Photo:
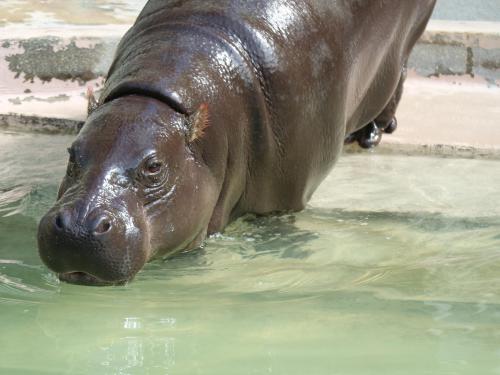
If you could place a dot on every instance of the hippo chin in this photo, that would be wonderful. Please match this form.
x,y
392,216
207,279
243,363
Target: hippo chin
x,y
216,109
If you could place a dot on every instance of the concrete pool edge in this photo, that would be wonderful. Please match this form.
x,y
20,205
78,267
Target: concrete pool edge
x,y
390,145
434,150
39,124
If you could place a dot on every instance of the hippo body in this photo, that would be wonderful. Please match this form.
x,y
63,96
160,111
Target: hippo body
x,y
214,109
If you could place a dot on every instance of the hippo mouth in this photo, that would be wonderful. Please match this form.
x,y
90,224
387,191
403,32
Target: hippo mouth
x,y
84,278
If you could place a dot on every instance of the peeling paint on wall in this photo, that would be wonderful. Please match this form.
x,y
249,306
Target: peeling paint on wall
x,y
51,58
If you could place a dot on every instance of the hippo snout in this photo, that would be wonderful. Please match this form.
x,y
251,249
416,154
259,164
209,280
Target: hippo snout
x,y
98,248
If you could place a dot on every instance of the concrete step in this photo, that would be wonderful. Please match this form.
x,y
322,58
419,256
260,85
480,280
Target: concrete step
x,y
450,48
451,104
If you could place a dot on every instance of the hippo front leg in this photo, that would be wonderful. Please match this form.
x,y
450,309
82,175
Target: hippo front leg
x,y
387,121
367,137
370,135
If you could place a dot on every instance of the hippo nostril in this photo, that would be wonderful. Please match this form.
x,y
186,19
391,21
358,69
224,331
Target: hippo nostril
x,y
62,220
58,222
103,225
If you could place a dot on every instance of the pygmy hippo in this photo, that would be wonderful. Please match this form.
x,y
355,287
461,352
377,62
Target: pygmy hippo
x,y
214,109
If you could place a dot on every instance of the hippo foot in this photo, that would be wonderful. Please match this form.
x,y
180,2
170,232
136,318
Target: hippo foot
x,y
351,138
367,137
370,136
391,126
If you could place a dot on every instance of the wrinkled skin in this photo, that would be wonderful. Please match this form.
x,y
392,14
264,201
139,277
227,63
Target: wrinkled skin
x,y
283,83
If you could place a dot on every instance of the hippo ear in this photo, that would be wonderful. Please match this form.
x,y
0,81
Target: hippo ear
x,y
197,123
92,101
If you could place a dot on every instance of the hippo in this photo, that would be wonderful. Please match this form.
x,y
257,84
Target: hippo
x,y
216,109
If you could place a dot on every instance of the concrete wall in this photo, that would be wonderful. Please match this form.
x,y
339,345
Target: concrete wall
x,y
468,10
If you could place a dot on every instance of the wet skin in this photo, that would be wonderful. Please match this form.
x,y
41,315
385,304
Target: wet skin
x,y
216,109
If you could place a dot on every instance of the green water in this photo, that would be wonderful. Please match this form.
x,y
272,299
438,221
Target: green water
x,y
393,269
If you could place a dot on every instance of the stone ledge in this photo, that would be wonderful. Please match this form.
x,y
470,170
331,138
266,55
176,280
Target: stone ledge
x,y
40,124
84,53
459,48
439,150
455,115
464,33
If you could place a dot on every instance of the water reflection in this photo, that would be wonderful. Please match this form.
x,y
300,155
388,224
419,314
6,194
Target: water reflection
x,y
132,323
131,354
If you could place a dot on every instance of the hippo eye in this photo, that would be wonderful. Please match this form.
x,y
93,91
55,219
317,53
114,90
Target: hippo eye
x,y
154,167
153,172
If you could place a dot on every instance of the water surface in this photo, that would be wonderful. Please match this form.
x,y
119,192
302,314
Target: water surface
x,y
394,268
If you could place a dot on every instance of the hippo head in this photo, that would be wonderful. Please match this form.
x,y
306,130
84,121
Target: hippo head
x,y
135,187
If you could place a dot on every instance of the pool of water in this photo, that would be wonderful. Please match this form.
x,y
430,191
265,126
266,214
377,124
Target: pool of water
x,y
394,268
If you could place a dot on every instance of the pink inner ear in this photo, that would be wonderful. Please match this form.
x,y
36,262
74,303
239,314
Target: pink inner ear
x,y
200,122
92,102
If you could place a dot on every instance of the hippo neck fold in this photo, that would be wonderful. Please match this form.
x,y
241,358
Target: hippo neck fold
x,y
138,88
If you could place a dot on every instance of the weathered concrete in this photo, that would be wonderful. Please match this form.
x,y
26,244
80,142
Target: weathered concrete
x,y
69,12
468,10
44,74
105,12
40,124
447,117
459,48
30,56
47,103
53,58
436,116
